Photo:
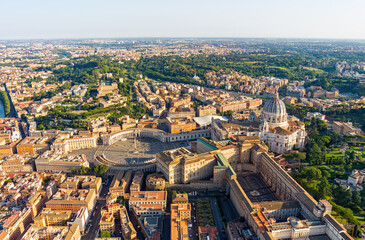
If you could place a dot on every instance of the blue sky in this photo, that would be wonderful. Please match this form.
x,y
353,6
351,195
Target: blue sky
x,y
34,19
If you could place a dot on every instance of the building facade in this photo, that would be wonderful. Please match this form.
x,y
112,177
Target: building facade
x,y
273,127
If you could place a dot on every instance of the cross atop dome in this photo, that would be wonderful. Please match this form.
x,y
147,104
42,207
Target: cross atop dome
x,y
276,94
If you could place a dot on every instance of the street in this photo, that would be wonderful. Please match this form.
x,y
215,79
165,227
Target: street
x,y
218,218
194,222
92,228
230,211
166,228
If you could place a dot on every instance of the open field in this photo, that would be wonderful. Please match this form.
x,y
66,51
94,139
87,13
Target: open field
x,y
319,71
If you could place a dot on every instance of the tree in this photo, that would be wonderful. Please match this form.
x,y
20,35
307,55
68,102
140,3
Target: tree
x,y
326,174
349,167
105,234
23,117
100,170
228,114
314,154
323,188
356,198
352,156
83,170
299,156
326,140
311,173
6,102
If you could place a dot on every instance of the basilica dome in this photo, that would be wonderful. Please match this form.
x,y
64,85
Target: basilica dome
x,y
275,106
274,113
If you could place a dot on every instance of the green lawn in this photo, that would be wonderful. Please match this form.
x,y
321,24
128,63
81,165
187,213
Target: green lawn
x,y
333,174
360,219
319,71
335,153
281,68
344,221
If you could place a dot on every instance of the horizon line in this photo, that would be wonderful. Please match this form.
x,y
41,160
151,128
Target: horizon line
x,y
187,38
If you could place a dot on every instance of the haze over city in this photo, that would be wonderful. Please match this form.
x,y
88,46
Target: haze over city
x,y
42,19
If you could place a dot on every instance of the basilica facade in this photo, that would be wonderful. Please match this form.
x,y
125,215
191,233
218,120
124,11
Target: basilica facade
x,y
275,129
273,126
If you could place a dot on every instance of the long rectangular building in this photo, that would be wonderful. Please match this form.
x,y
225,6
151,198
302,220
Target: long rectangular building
x,y
55,161
80,142
181,166
180,219
270,200
72,200
148,203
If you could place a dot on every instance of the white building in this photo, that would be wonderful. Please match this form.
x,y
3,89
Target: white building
x,y
275,129
356,178
81,218
316,115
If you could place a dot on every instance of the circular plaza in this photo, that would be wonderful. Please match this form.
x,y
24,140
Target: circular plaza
x,y
138,150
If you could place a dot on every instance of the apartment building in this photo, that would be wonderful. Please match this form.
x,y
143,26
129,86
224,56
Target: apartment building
x,y
180,198
180,124
72,200
148,203
36,202
186,99
128,230
9,129
120,183
136,182
16,164
16,224
206,110
237,106
155,182
107,222
180,219
118,211
81,218
71,232
7,148
33,145
49,217
83,182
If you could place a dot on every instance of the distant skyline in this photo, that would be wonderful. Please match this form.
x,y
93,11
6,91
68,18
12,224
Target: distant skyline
x,y
66,19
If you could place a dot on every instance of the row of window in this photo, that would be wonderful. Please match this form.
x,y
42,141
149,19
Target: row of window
x,y
190,136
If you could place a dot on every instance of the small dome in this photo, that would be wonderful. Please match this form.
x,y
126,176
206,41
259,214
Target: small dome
x,y
295,222
275,105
